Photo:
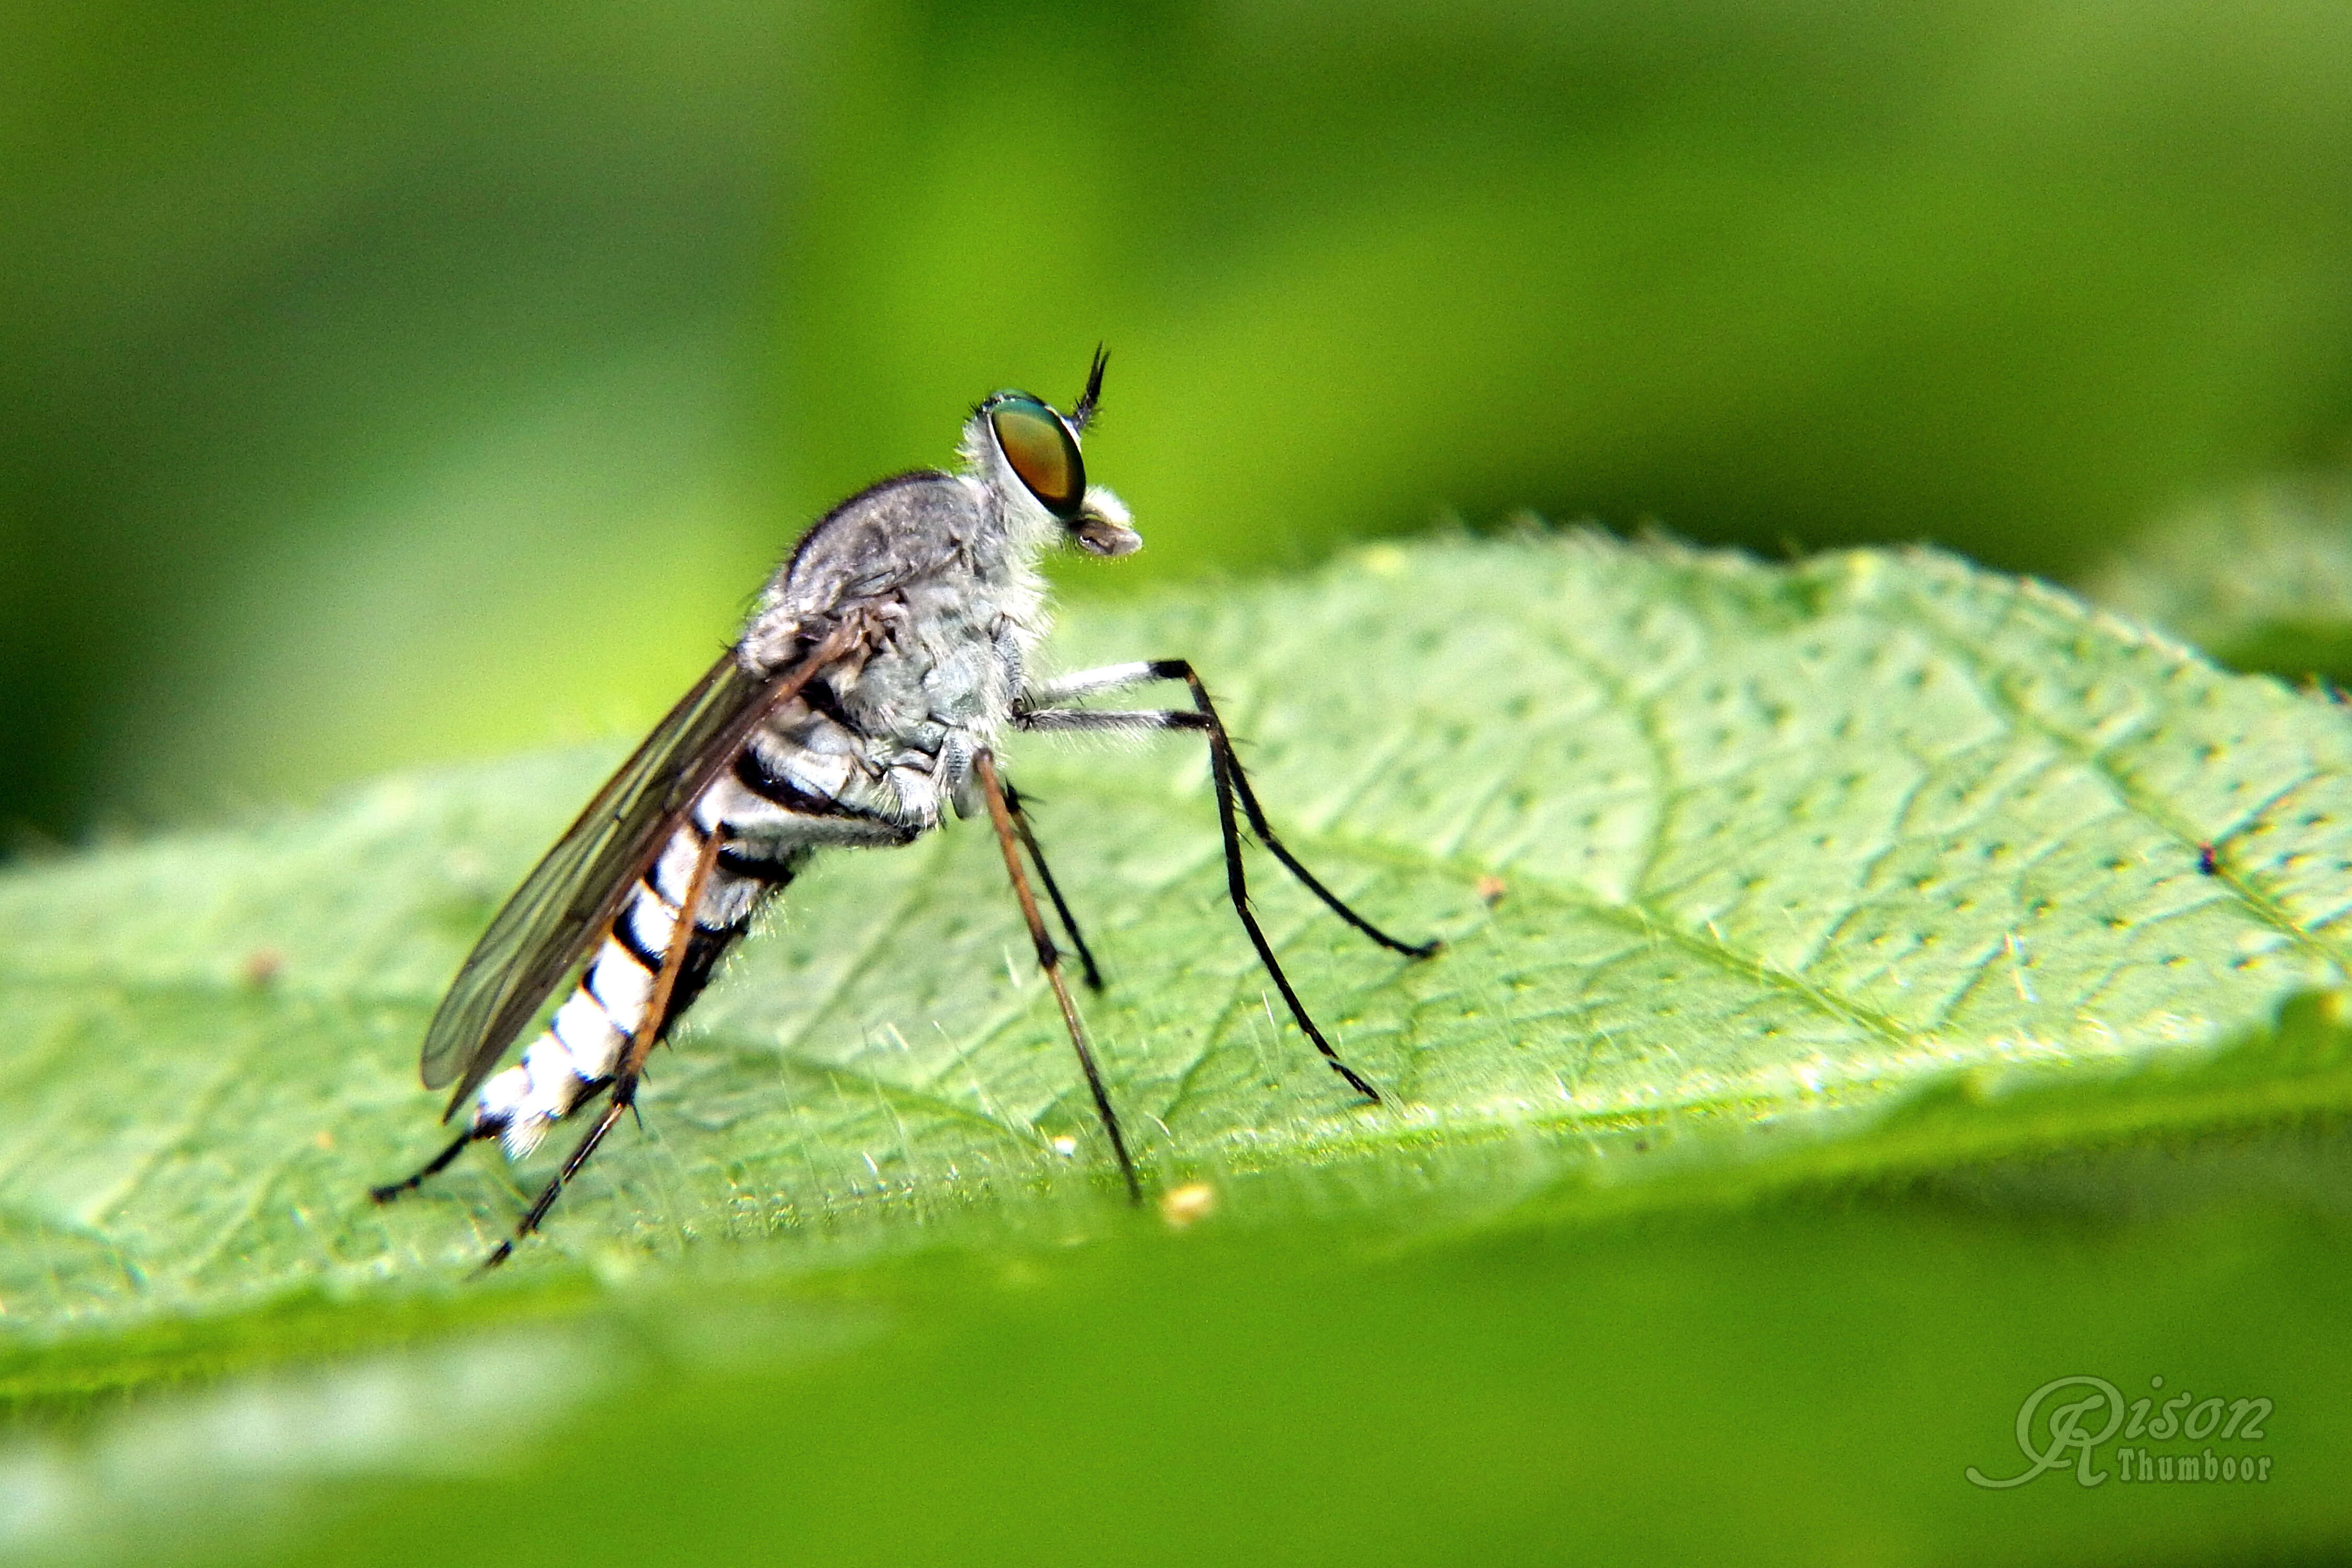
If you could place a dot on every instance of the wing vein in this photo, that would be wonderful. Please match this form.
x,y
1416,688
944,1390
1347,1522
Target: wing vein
x,y
564,906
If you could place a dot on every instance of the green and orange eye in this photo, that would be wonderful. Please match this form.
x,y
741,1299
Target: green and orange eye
x,y
1043,452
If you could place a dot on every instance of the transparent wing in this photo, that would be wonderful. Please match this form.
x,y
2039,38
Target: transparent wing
x,y
564,906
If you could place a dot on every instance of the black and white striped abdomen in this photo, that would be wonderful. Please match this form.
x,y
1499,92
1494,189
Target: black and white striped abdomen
x,y
770,813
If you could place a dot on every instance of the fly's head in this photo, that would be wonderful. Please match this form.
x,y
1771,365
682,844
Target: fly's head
x,y
1028,453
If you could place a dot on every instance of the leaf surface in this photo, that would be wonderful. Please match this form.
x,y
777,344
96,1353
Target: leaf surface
x,y
1770,840
2262,579
1869,875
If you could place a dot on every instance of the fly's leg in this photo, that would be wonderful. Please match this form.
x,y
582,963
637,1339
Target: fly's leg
x,y
1053,889
1049,957
631,1066
433,1167
1232,786
1221,744
624,1094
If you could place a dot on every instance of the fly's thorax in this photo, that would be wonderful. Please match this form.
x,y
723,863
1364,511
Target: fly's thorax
x,y
951,665
891,731
858,559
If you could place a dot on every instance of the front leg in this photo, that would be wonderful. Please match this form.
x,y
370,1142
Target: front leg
x,y
1041,710
1063,689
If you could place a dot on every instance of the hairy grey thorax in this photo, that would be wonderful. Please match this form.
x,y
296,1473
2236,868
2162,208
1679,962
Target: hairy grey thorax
x,y
947,566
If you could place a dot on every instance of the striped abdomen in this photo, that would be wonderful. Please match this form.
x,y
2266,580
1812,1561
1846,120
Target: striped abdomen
x,y
770,813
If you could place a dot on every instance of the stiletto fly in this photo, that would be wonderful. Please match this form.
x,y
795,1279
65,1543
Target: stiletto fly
x,y
879,671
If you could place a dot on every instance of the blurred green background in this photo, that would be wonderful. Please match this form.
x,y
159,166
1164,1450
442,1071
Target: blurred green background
x,y
399,382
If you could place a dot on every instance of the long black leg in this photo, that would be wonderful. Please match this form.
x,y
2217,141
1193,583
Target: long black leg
x,y
441,1161
1231,785
624,1095
433,1167
1053,889
1221,744
1049,959
1238,887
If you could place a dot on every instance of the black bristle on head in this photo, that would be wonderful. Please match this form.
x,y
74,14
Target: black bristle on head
x,y
1083,415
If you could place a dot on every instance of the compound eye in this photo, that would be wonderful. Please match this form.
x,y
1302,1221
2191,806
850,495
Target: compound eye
x,y
1038,445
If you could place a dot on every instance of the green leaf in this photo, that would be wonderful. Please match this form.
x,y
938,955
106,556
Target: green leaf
x,y
1755,880
2262,579
1771,840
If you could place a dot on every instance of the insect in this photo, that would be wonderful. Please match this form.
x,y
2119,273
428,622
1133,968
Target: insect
x,y
865,700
